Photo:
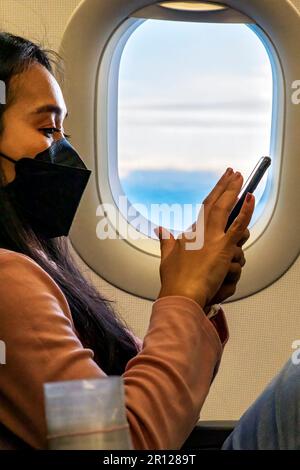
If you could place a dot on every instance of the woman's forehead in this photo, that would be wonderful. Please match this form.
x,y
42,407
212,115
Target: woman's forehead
x,y
35,87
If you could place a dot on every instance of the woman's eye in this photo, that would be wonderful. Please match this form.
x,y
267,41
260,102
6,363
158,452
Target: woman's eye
x,y
49,131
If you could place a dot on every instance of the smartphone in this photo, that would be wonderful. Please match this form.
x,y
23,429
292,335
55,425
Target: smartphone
x,y
249,187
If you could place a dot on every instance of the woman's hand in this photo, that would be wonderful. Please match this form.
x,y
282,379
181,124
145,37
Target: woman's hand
x,y
232,278
200,273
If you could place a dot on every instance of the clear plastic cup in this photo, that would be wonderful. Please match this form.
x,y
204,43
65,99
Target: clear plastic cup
x,y
87,414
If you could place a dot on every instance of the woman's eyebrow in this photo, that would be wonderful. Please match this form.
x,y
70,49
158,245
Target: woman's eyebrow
x,y
49,108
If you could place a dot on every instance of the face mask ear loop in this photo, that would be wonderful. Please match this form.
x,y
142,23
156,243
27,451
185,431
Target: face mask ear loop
x,y
7,158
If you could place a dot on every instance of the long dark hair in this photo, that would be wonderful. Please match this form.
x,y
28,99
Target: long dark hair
x,y
96,323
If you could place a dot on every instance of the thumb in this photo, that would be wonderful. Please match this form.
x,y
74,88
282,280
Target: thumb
x,y
167,241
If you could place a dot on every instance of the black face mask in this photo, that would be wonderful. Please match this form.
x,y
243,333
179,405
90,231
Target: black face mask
x,y
47,189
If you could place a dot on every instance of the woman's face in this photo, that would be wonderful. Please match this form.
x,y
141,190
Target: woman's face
x,y
35,118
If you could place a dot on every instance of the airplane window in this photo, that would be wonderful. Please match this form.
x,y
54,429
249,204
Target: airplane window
x,y
193,99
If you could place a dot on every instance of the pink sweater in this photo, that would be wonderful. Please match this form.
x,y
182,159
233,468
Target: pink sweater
x,y
165,384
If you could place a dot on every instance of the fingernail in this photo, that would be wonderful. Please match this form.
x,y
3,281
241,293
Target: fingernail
x,y
157,231
248,197
229,171
237,175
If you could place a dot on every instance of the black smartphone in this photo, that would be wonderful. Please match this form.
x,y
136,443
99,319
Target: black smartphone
x,y
249,187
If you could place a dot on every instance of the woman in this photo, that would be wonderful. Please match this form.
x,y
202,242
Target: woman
x,y
55,325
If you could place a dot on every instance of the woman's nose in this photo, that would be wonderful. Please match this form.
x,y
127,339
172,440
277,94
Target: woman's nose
x,y
59,135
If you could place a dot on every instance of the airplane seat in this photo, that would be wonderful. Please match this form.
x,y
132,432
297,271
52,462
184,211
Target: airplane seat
x,y
209,435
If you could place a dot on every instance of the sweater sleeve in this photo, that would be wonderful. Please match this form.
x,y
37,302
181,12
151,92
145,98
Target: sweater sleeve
x,y
165,384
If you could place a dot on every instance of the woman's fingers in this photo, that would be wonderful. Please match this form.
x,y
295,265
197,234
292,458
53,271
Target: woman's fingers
x,y
239,226
228,290
244,238
167,241
215,194
220,211
239,256
219,188
233,274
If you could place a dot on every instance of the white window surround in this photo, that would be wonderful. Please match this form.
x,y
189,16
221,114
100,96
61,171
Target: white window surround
x,y
133,265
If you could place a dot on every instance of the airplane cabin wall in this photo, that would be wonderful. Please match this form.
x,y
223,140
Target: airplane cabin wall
x,y
262,327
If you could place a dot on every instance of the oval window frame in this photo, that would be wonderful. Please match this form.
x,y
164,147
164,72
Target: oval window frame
x,y
134,267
